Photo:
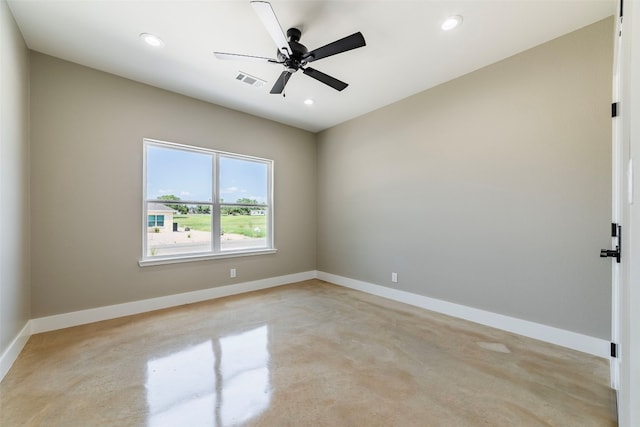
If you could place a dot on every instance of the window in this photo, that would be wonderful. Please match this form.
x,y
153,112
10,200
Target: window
x,y
201,204
155,220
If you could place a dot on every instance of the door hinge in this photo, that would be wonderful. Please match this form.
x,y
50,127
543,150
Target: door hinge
x,y
614,349
616,231
614,109
621,8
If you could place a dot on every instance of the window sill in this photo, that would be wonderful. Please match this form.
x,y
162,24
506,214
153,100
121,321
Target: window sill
x,y
175,260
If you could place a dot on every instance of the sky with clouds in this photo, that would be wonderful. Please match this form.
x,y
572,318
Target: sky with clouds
x,y
188,175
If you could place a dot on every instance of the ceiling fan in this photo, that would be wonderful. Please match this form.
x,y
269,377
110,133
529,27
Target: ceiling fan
x,y
292,54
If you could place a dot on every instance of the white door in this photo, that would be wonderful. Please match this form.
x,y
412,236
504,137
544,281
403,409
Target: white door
x,y
618,188
626,302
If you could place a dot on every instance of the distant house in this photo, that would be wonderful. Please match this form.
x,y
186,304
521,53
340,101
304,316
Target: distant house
x,y
258,213
159,216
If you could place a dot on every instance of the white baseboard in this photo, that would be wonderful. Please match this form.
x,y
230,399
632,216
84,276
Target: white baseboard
x,y
584,343
11,353
573,340
66,320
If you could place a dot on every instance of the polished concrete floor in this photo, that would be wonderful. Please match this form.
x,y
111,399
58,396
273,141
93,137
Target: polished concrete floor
x,y
307,354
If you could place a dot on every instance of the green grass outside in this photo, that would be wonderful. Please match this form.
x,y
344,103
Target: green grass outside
x,y
239,224
200,222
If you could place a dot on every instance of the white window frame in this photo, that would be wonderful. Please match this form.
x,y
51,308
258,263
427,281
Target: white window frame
x,y
215,203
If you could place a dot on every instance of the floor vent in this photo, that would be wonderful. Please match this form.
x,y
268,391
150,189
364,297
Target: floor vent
x,y
249,79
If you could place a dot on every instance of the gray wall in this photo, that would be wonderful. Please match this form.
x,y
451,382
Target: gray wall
x,y
492,190
86,187
14,180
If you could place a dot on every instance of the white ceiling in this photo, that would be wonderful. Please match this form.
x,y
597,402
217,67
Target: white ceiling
x,y
406,50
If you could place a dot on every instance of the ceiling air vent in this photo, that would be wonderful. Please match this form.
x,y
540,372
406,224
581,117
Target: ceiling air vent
x,y
250,80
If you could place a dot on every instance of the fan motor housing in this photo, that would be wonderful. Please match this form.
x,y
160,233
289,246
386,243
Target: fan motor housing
x,y
298,50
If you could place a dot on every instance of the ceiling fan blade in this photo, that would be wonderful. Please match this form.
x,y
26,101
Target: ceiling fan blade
x,y
325,78
270,21
235,56
353,41
281,82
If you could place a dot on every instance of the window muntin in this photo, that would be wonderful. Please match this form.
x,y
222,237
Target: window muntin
x,y
205,203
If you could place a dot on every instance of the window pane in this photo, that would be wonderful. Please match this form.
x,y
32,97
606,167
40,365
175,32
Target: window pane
x,y
179,229
243,181
185,175
151,220
243,230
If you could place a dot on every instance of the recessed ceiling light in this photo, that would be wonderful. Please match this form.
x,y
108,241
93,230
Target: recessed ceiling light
x,y
152,40
451,22
309,101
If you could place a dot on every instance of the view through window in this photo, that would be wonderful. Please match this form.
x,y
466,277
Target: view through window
x,y
201,202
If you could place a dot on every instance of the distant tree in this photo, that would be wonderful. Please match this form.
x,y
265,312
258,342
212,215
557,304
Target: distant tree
x,y
233,210
183,209
240,210
203,209
245,210
247,201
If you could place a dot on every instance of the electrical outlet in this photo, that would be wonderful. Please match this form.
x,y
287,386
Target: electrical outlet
x,y
394,277
232,273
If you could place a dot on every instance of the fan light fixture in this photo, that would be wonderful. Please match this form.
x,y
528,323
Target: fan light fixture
x,y
451,22
152,40
309,101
